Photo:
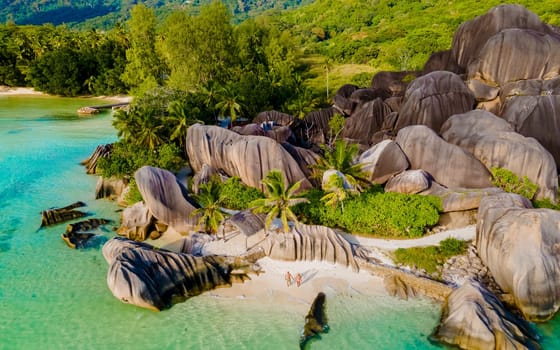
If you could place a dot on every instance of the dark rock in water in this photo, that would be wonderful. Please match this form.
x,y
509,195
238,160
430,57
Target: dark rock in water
x,y
76,236
101,151
58,215
156,279
315,321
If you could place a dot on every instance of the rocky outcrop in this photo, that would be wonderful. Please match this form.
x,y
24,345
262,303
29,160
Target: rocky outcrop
x,y
110,188
101,151
314,129
309,243
410,182
77,237
473,318
493,141
382,161
315,321
203,176
365,122
57,215
450,165
304,157
459,199
278,118
342,100
532,107
431,99
520,246
442,60
250,158
156,279
396,287
471,36
137,222
516,54
395,82
166,199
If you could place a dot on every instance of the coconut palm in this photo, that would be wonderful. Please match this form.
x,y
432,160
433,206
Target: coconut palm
x,y
210,199
181,118
229,102
278,199
336,191
341,157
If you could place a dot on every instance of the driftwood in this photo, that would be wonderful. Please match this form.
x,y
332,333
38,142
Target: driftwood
x,y
58,215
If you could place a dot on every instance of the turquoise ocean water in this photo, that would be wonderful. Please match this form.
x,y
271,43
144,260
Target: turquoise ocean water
x,y
53,297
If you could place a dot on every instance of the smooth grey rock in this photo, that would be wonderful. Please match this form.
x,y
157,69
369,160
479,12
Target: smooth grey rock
x,y
382,161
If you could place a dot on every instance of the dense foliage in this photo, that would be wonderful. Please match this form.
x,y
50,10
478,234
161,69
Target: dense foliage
x,y
430,258
374,212
509,182
237,195
126,158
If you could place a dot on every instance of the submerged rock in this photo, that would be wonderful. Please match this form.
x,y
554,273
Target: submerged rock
x,y
315,321
156,279
57,215
473,318
77,237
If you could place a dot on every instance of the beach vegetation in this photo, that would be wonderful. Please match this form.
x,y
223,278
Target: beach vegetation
x,y
431,258
510,182
374,213
278,199
210,198
237,195
133,194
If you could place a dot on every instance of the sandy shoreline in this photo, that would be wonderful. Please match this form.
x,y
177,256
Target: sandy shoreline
x,y
26,91
317,276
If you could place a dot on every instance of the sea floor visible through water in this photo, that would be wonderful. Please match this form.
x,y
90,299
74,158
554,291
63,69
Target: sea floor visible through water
x,y
53,297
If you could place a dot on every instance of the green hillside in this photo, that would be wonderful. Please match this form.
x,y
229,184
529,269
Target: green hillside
x,y
106,13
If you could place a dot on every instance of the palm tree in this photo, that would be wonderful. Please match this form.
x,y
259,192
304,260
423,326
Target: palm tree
x,y
210,199
341,157
278,199
229,102
148,136
336,191
180,119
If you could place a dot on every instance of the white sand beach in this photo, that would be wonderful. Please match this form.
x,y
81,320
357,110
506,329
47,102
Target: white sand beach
x,y
27,91
317,276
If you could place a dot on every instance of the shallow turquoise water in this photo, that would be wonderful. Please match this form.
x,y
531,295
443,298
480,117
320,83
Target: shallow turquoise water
x,y
52,297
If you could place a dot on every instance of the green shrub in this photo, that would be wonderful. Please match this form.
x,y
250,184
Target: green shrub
x,y
237,195
509,182
133,195
126,158
374,213
430,258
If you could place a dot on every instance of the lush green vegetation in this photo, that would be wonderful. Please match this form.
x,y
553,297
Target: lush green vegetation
x,y
509,182
430,258
278,199
237,195
210,197
374,212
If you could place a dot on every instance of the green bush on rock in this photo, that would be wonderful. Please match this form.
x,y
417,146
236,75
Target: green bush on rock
x,y
510,182
237,195
430,258
374,212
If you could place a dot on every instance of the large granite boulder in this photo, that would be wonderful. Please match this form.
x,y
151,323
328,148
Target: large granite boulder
x,y
110,188
277,118
249,157
532,107
304,157
137,222
166,199
342,100
382,161
155,278
449,164
314,129
471,36
516,54
442,60
308,243
521,247
365,121
459,199
410,182
473,318
431,99
395,82
494,142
